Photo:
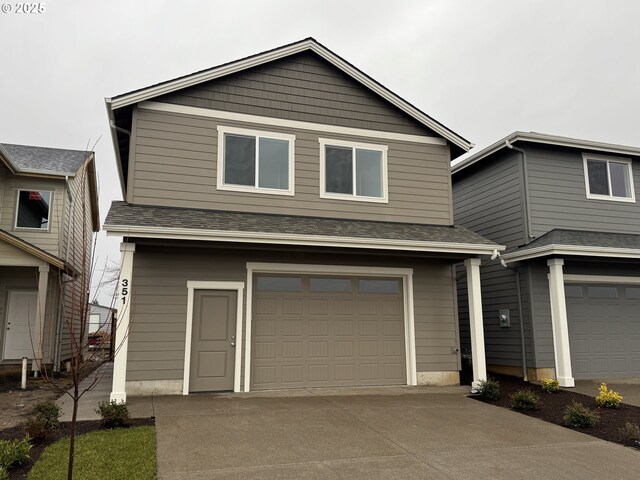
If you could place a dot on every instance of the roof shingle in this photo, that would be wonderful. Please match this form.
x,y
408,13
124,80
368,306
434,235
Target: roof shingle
x,y
44,159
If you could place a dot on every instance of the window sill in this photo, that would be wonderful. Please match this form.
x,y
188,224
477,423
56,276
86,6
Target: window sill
x,y
353,198
268,191
608,198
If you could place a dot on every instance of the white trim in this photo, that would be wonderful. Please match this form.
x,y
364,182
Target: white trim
x,y
33,229
213,285
342,270
296,239
223,130
255,60
293,124
564,250
619,280
608,160
559,323
324,142
476,322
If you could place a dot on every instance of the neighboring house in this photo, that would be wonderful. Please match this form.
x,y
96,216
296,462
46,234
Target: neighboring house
x,y
48,213
100,318
567,211
287,223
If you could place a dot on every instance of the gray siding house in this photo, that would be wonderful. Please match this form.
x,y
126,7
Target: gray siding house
x,y
568,302
48,213
287,223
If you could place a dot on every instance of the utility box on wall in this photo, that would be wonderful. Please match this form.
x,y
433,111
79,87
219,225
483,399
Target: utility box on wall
x,y
505,321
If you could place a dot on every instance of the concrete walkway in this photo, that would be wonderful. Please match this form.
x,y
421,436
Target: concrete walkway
x,y
90,400
374,433
629,388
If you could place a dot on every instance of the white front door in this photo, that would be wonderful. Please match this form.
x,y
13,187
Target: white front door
x,y
20,324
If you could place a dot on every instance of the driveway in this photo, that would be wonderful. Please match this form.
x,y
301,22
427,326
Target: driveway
x,y
386,433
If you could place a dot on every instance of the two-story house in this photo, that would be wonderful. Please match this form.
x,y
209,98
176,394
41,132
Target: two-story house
x,y
48,213
287,223
568,301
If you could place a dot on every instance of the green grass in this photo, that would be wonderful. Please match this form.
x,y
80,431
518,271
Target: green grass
x,y
119,454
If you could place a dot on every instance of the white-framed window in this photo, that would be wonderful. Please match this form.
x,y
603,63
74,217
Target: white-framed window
x,y
255,161
608,178
353,171
33,209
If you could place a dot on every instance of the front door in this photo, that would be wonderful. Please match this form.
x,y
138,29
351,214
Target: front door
x,y
213,340
20,324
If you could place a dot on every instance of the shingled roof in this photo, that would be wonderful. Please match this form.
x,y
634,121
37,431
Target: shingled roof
x,y
27,158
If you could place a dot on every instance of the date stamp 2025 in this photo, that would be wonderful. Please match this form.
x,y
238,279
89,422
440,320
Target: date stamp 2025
x,y
23,8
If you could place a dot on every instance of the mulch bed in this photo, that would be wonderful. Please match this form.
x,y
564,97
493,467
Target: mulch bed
x,y
64,430
552,406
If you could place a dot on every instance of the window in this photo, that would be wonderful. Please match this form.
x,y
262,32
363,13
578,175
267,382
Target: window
x,y
279,284
353,171
608,178
334,285
379,286
33,209
253,161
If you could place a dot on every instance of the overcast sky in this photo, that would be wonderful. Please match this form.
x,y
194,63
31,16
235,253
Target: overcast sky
x,y
484,68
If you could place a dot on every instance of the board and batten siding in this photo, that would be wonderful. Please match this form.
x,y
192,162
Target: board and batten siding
x,y
159,303
302,87
559,196
175,164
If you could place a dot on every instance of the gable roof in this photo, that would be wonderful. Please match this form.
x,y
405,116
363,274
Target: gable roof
x,y
37,252
546,139
49,161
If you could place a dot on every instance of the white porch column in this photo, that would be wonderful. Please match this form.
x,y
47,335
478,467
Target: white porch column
x,y
475,321
559,323
38,333
123,304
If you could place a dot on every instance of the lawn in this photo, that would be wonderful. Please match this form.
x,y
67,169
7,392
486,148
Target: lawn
x,y
118,454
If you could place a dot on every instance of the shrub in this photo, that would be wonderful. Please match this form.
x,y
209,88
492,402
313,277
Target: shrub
x,y
489,389
14,452
579,416
113,414
608,398
524,400
550,385
630,433
43,420
4,475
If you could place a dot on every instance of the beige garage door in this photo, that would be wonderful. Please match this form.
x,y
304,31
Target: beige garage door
x,y
320,331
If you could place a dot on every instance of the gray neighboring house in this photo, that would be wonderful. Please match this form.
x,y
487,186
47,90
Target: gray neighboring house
x,y
569,303
48,214
287,223
100,318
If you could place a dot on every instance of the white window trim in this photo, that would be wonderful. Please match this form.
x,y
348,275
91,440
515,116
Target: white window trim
x,y
602,279
608,159
353,197
204,285
222,130
338,270
31,229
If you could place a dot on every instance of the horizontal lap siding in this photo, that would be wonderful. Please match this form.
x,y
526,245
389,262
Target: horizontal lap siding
x,y
159,307
176,165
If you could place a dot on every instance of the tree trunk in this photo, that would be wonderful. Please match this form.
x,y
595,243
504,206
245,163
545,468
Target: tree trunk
x,y
72,438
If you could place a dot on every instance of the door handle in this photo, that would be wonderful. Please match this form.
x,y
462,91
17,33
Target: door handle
x,y
233,344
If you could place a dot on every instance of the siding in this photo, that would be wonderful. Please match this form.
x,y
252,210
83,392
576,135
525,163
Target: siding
x,y
301,87
559,197
159,303
175,164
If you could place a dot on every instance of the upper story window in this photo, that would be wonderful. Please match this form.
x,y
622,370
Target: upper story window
x,y
34,207
608,178
353,171
255,161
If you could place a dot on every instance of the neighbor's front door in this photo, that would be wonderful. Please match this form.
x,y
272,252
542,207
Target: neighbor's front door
x,y
213,340
20,324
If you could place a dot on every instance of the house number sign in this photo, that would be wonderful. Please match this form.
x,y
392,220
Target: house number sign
x,y
125,290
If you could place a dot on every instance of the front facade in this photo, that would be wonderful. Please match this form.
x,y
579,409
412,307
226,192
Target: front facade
x,y
567,211
48,212
287,223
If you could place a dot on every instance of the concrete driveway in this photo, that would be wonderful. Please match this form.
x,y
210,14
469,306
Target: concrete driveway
x,y
376,433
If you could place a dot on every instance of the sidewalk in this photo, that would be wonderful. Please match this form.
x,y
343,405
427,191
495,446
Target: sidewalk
x,y
90,400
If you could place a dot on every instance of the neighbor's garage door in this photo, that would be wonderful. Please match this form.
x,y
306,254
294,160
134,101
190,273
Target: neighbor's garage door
x,y
315,331
604,330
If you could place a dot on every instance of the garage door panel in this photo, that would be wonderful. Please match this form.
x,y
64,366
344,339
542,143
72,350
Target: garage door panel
x,y
292,306
318,349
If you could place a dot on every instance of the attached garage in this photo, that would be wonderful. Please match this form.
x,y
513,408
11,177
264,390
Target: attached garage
x,y
327,330
604,329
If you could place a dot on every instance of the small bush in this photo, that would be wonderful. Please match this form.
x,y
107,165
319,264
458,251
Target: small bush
x,y
14,452
43,420
4,475
550,385
524,400
630,433
608,398
579,416
113,414
489,389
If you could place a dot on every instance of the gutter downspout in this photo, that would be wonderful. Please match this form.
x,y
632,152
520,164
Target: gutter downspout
x,y
527,201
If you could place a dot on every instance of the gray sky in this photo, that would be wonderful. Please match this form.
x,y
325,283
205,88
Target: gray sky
x,y
484,68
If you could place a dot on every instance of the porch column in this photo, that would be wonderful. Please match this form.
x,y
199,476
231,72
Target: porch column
x,y
37,335
475,321
559,323
123,304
